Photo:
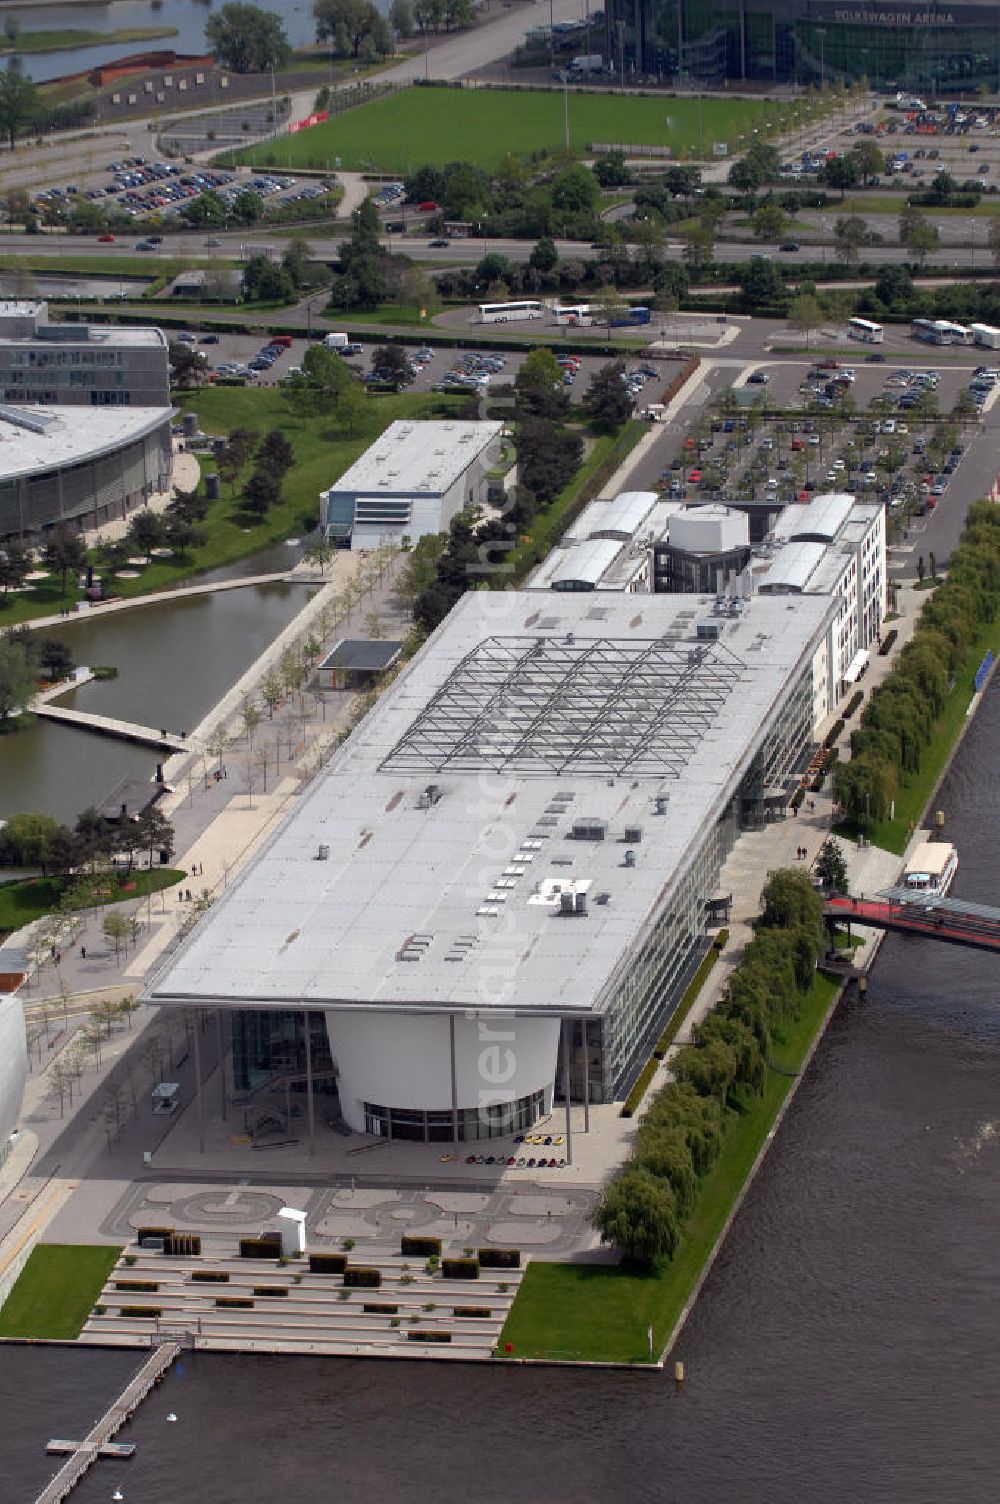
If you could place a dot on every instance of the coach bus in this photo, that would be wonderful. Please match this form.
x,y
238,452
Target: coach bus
x,y
502,313
578,315
865,330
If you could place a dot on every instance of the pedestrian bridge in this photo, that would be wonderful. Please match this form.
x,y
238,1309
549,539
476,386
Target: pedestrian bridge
x,y
106,725
950,919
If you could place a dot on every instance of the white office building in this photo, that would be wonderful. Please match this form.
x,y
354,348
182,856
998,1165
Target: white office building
x,y
412,481
833,546
502,877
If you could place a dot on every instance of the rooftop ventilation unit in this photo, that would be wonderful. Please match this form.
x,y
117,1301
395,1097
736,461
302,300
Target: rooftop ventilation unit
x,y
430,796
630,858
589,830
633,834
662,803
710,631
323,853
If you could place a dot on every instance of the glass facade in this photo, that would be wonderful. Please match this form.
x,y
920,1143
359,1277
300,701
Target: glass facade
x,y
653,974
497,1120
919,47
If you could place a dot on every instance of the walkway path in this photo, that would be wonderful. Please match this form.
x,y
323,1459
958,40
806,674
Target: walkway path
x,y
157,598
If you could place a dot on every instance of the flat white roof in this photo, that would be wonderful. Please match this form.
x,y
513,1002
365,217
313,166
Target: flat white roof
x,y
822,518
621,516
72,335
791,568
54,437
524,747
413,457
587,562
931,857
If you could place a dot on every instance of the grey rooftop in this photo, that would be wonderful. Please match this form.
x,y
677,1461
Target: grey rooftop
x,y
536,748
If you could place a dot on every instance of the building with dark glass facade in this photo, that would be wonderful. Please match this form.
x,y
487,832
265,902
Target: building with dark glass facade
x,y
928,48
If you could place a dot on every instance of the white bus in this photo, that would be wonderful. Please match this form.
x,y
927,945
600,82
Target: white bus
x,y
501,313
865,330
576,315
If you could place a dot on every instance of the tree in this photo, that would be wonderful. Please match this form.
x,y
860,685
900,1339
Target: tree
x,y
544,256
271,692
842,173
638,1214
492,268
154,833
391,366
64,552
761,284
923,238
698,246
145,532
275,454
769,222
894,285
261,492
993,238
115,928
831,868
612,170
25,839
204,212
251,718
19,103
317,388
805,314
402,18
351,27
247,39
187,365
265,281
607,401
871,162
239,447
54,659
15,563
246,208
539,387
850,233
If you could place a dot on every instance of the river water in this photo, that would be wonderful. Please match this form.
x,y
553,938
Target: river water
x,y
187,16
846,1346
174,661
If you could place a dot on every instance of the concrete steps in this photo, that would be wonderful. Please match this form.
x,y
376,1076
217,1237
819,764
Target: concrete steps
x,y
318,1315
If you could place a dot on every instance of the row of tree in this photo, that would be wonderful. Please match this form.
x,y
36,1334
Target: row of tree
x,y
88,847
899,720
643,1209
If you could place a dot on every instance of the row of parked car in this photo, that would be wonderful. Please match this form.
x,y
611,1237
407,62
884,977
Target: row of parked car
x,y
471,372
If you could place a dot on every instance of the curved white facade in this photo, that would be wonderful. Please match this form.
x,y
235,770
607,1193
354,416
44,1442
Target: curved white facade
x,y
403,1061
13,1067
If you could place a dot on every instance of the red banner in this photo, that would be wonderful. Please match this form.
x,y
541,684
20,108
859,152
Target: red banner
x,y
301,125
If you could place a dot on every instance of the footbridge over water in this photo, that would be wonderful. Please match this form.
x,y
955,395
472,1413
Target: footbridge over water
x,y
106,725
952,920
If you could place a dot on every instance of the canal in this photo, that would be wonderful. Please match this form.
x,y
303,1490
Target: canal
x,y
846,1345
174,662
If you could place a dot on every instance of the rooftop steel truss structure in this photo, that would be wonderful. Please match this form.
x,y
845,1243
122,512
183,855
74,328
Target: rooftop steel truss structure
x,y
549,705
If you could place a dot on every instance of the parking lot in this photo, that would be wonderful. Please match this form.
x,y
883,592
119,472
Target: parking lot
x,y
436,369
134,186
782,432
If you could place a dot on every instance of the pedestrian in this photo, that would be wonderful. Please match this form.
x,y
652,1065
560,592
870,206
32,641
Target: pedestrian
x,y
188,895
83,953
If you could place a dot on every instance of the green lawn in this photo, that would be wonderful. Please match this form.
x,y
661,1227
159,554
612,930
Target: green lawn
x,y
601,1313
915,788
22,902
405,130
56,1290
66,39
322,453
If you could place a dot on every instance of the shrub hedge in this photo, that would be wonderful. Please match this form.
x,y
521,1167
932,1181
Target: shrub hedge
x,y
853,703
460,1268
380,1307
147,1285
424,1247
499,1258
234,1302
266,1247
479,1313
147,1313
428,1336
271,1290
888,642
362,1276
209,1276
327,1263
666,1039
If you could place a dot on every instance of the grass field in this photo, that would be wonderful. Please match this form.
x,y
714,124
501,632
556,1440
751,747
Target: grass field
x,y
20,903
65,40
56,1290
404,131
602,1313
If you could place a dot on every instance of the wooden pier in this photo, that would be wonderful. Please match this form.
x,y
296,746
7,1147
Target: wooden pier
x,y
97,1442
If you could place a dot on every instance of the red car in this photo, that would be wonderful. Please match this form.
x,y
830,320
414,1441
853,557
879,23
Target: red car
x,y
694,478
427,207
107,239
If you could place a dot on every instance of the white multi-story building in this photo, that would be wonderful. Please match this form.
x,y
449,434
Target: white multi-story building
x,y
412,481
504,871
833,546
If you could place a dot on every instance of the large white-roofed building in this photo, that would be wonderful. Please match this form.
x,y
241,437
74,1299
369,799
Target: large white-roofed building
x,y
515,847
412,481
80,466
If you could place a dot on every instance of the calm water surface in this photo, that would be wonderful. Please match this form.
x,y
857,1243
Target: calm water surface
x,y
846,1346
174,662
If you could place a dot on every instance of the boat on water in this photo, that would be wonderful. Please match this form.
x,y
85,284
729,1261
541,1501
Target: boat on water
x,y
930,869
